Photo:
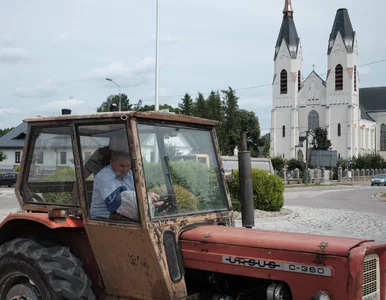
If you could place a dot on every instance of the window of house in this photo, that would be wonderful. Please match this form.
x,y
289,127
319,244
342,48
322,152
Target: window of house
x,y
47,181
339,78
283,82
63,158
17,157
39,157
283,131
383,137
339,130
313,120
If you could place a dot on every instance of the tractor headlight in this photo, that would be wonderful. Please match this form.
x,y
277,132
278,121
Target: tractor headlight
x,y
323,295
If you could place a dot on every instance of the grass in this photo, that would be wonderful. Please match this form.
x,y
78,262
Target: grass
x,y
383,195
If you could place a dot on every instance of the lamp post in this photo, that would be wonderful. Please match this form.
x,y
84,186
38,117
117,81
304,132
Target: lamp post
x,y
156,108
109,79
308,132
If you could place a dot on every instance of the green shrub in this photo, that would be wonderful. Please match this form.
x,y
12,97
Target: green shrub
x,y
186,201
196,177
16,169
62,174
268,190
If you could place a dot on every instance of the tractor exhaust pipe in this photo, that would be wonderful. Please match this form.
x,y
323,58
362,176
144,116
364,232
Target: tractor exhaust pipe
x,y
246,191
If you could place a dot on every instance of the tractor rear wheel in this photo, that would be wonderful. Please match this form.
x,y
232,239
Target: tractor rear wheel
x,y
41,270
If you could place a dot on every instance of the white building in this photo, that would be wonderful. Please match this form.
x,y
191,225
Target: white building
x,y
335,103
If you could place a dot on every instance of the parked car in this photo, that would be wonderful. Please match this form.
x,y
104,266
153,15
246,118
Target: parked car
x,y
379,179
8,179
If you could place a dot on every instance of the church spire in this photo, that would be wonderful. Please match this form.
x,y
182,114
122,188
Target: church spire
x,y
288,11
342,24
288,31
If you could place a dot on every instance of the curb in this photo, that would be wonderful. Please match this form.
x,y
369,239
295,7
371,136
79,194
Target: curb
x,y
292,215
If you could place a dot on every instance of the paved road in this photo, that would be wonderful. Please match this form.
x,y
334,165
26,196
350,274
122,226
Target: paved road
x,y
335,211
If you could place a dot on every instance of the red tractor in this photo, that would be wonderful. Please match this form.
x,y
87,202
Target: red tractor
x,y
169,234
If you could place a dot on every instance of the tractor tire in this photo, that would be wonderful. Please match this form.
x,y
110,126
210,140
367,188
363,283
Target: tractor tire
x,y
32,268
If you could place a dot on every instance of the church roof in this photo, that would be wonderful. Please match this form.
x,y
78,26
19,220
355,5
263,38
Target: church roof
x,y
288,31
342,24
372,99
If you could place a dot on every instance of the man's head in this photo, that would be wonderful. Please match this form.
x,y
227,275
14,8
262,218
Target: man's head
x,y
120,163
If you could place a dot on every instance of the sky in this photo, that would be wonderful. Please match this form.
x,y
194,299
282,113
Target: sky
x,y
57,54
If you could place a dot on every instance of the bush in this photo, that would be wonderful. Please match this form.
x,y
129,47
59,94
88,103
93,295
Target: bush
x,y
16,169
268,190
195,177
186,201
62,174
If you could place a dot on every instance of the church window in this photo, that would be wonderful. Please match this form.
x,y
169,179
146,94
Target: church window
x,y
283,82
383,137
339,130
339,78
313,120
355,78
299,81
283,131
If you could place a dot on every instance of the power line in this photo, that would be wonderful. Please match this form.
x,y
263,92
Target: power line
x,y
256,86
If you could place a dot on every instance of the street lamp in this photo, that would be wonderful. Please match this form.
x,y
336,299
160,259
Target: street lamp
x,y
157,58
308,133
109,79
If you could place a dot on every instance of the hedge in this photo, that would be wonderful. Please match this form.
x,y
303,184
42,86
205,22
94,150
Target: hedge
x,y
196,177
62,174
268,191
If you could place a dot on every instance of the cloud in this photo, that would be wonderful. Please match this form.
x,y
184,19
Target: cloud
x,y
8,111
13,55
57,105
47,89
125,76
5,39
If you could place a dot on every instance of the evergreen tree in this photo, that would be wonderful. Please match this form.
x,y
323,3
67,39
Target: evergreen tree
x,y
186,107
231,124
200,106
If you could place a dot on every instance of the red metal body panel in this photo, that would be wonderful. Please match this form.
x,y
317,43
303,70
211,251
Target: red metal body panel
x,y
266,239
43,219
207,256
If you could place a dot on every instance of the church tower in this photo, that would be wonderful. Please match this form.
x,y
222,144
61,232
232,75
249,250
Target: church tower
x,y
342,101
287,81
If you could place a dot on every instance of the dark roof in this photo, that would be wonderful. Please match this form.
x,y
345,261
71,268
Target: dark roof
x,y
343,25
14,138
289,34
372,99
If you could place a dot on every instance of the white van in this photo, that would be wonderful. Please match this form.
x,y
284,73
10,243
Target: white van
x,y
232,163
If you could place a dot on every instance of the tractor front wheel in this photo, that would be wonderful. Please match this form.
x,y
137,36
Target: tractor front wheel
x,y
41,270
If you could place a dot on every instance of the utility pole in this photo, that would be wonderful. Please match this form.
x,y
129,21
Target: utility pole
x,y
308,133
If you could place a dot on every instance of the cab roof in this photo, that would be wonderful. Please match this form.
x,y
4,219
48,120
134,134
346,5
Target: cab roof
x,y
157,115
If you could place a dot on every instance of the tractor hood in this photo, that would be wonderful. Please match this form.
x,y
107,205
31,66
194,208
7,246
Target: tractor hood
x,y
244,237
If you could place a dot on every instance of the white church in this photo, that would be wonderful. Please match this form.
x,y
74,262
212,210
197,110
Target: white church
x,y
300,105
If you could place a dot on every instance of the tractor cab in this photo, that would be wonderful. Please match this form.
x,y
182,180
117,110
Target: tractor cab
x,y
67,173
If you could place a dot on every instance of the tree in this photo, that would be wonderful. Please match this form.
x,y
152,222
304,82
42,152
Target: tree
x,y
114,99
320,141
200,106
213,105
230,120
277,163
265,141
2,156
186,107
247,121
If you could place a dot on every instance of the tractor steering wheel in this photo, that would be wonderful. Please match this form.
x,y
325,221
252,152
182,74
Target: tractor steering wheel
x,y
168,206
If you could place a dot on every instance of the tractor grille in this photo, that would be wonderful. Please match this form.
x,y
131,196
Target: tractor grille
x,y
370,289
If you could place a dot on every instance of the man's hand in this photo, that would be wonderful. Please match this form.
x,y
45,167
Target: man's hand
x,y
155,199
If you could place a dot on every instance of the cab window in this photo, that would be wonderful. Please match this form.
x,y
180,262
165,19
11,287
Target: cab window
x,y
48,181
107,173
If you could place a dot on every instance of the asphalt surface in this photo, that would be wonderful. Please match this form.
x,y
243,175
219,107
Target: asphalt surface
x,y
333,211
